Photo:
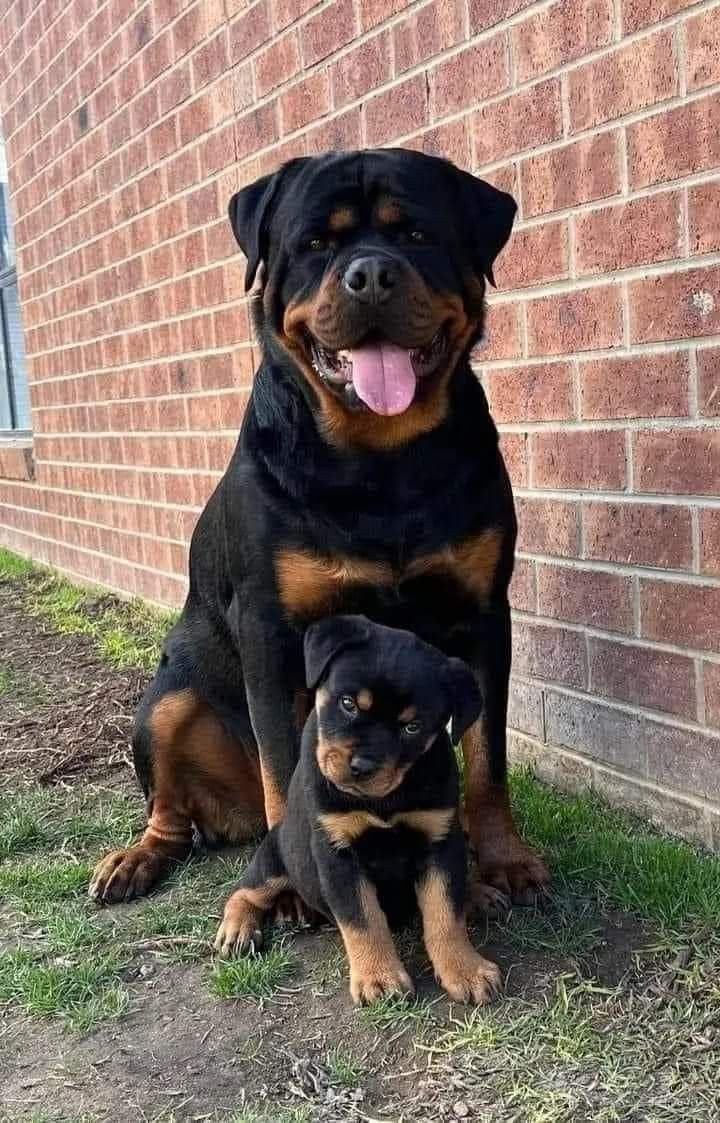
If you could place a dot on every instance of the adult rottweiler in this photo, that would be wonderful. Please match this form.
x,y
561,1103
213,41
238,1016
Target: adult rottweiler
x,y
367,479
372,827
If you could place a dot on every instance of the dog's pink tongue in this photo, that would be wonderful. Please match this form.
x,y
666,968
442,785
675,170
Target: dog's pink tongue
x,y
383,377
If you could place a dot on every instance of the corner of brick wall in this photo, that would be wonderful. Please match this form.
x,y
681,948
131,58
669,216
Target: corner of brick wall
x,y
128,130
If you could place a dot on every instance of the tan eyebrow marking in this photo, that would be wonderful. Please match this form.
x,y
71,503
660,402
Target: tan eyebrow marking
x,y
388,210
342,218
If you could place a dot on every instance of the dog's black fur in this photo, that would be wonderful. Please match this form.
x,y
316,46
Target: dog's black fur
x,y
331,506
373,809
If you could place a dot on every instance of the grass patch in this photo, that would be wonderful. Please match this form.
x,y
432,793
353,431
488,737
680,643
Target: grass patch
x,y
397,1013
81,993
631,867
13,567
343,1067
127,634
272,1115
256,976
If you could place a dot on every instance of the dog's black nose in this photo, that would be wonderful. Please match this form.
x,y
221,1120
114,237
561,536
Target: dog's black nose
x,y
370,279
362,766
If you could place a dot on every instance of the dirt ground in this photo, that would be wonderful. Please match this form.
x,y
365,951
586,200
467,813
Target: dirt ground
x,y
607,1015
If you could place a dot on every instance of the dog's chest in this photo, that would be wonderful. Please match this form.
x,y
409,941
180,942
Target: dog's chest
x,y
312,585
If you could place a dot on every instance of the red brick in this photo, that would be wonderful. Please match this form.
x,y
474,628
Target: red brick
x,y
641,13
704,217
304,102
542,392
627,79
711,681
638,386
522,586
710,541
287,11
675,306
525,708
361,70
449,141
398,111
708,362
469,76
432,29
502,334
593,459
702,56
678,461
558,34
585,596
634,233
583,320
484,14
373,12
324,33
514,450
675,142
250,31
211,60
657,680
534,254
684,614
545,652
340,132
525,120
577,173
547,526
255,130
280,62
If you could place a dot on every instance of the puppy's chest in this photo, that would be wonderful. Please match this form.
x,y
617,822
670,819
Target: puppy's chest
x,y
312,584
375,836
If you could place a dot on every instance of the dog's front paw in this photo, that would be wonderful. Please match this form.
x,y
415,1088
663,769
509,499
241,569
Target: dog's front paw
x,y
125,874
469,978
240,931
370,982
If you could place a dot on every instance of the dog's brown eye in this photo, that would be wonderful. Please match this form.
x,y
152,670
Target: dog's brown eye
x,y
349,704
411,728
418,236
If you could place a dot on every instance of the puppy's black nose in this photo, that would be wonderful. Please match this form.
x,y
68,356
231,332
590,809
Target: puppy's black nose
x,y
362,766
370,280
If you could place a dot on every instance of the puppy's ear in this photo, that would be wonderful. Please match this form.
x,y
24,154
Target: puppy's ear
x,y
249,212
489,216
326,639
466,699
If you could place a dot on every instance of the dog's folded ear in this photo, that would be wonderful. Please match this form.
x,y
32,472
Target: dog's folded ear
x,y
249,212
465,697
326,639
490,214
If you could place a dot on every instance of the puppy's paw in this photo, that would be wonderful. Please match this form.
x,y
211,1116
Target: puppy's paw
x,y
370,982
470,978
125,874
291,910
240,931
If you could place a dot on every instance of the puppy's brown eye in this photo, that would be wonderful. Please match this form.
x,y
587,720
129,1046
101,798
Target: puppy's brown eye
x,y
418,236
411,728
349,704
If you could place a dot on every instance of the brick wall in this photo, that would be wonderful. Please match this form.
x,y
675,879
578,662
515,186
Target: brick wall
x,y
128,127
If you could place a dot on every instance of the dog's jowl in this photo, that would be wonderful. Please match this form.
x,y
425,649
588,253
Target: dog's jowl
x,y
367,479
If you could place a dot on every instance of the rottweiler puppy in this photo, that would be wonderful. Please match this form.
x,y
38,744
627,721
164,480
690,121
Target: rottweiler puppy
x,y
372,825
367,479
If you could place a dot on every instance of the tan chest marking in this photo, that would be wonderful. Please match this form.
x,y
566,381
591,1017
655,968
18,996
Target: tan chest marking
x,y
312,586
343,828
472,563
